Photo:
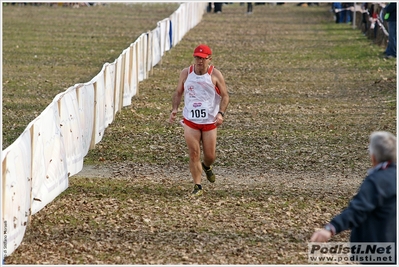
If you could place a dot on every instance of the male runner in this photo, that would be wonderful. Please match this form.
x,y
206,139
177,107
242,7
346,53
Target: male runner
x,y
205,103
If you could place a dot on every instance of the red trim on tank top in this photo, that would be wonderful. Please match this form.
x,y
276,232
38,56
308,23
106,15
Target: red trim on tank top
x,y
210,69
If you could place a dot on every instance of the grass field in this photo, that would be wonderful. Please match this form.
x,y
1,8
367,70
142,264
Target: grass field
x,y
305,93
48,49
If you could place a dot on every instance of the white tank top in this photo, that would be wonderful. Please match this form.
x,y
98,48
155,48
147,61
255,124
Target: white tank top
x,y
201,97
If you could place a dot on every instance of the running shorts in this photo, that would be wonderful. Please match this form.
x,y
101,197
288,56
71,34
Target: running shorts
x,y
201,127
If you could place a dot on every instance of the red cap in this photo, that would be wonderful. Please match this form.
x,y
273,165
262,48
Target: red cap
x,y
202,51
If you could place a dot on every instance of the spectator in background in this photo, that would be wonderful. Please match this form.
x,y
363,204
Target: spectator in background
x,y
374,15
249,8
390,17
337,8
345,12
364,17
209,7
349,12
371,214
301,3
218,7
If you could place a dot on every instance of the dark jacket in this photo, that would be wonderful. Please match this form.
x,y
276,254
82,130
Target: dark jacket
x,y
371,214
391,9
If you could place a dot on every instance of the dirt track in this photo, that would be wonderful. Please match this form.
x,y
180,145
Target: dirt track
x,y
292,152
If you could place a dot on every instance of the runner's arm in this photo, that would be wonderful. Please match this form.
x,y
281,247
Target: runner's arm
x,y
220,83
177,95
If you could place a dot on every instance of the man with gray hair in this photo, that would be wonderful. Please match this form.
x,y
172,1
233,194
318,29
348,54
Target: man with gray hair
x,y
371,214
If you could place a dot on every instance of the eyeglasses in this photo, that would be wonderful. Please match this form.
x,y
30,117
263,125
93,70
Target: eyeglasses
x,y
201,58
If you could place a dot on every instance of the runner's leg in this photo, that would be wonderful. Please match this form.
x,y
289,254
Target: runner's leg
x,y
209,146
193,138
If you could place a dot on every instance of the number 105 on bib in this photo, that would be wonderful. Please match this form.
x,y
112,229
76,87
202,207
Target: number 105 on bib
x,y
198,114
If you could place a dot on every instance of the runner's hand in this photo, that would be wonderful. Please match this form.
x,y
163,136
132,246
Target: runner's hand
x,y
172,116
219,120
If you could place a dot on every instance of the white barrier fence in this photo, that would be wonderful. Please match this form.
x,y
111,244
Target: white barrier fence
x,y
36,167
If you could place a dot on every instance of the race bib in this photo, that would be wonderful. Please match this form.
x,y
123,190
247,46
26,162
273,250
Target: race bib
x,y
198,111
